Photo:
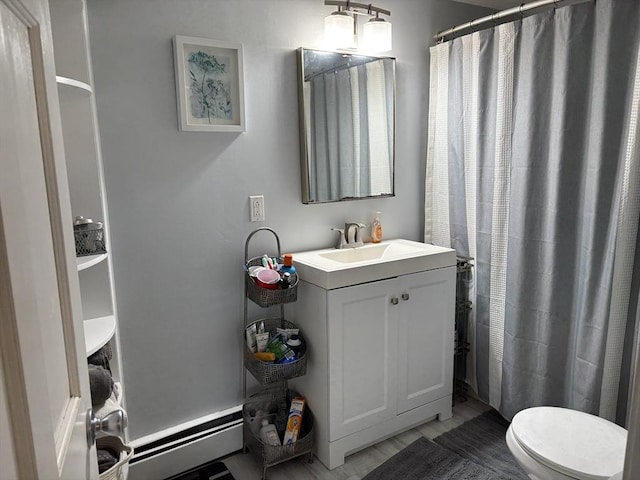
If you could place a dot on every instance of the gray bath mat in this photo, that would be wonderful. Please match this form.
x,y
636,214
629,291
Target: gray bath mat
x,y
482,440
475,450
424,460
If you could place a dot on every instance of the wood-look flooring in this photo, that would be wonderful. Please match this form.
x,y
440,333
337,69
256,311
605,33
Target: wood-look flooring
x,y
356,466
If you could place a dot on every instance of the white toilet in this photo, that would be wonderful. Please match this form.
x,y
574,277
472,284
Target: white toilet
x,y
553,443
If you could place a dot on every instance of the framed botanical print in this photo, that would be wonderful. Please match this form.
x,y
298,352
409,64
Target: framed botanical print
x,y
209,84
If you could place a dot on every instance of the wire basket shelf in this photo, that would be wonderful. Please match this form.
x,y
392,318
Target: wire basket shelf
x,y
267,373
274,403
266,297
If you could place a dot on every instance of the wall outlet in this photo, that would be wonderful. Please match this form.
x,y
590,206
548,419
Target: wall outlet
x,y
256,208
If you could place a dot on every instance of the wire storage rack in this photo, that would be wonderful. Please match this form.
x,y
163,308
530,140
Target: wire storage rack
x,y
464,272
274,397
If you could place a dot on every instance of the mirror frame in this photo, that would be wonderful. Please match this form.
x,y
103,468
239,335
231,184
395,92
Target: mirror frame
x,y
304,153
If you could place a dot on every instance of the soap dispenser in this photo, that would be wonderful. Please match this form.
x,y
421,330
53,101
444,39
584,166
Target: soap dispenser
x,y
376,229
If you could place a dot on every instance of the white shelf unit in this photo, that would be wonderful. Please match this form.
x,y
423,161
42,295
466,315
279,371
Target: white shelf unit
x,y
74,83
98,332
89,261
85,173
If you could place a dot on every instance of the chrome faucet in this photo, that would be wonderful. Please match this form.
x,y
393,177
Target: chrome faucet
x,y
349,237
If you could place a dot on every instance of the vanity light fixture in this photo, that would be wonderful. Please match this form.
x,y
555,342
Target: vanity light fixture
x,y
339,30
341,27
377,35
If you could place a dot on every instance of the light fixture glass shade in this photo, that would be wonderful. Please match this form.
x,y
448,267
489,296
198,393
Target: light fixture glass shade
x,y
338,30
376,35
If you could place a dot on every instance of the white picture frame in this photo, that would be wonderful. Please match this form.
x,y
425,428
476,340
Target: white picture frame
x,y
209,85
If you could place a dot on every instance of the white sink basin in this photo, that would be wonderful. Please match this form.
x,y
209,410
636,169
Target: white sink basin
x,y
331,268
351,255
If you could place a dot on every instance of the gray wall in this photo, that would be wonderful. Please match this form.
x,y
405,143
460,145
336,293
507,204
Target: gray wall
x,y
178,201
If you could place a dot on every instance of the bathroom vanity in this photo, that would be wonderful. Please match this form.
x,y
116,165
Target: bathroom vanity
x,y
379,322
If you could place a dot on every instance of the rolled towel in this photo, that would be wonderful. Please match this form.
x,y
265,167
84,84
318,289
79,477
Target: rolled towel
x,y
101,357
107,458
101,385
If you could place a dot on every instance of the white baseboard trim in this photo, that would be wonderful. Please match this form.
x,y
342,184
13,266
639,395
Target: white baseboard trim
x,y
178,449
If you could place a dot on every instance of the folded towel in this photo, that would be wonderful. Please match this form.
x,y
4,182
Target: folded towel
x,y
101,357
101,385
110,405
107,458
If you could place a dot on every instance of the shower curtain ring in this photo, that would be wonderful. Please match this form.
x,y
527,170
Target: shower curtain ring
x,y
521,14
493,19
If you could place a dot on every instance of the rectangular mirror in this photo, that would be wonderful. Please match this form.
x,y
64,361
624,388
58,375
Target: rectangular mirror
x,y
347,125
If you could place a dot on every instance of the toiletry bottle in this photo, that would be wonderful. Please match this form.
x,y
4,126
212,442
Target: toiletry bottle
x,y
269,434
255,420
295,344
376,229
282,352
285,281
287,264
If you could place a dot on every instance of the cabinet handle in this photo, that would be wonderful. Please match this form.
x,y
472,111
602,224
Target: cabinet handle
x,y
394,300
405,296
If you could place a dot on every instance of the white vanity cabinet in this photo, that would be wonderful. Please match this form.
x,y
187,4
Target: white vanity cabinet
x,y
380,357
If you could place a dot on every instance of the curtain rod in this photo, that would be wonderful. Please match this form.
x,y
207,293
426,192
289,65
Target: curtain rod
x,y
504,16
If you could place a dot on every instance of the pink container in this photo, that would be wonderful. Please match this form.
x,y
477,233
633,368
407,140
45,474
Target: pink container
x,y
268,279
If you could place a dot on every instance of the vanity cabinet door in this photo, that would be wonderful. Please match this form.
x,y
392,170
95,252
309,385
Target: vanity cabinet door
x,y
425,337
362,341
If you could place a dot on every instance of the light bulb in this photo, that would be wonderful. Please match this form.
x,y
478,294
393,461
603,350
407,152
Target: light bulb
x,y
338,30
377,35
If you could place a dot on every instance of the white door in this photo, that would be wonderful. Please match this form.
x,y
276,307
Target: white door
x,y
425,337
43,364
362,357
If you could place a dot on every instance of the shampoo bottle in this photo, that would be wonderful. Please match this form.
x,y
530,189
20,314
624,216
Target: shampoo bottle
x,y
376,229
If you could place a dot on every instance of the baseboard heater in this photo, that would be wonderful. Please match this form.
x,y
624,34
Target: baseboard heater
x,y
185,446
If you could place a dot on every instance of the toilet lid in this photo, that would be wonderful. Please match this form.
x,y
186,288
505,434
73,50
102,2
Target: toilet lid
x,y
574,443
